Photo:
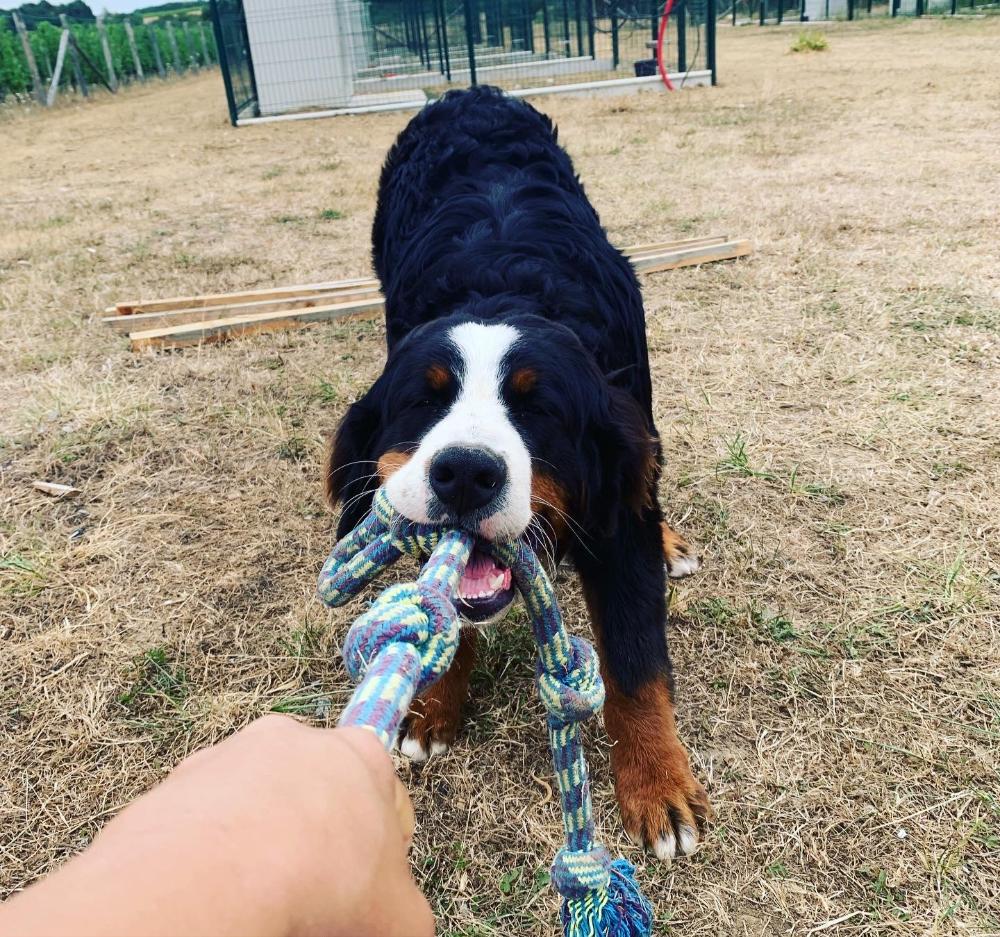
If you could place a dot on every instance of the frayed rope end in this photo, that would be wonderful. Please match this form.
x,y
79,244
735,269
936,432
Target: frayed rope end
x,y
620,910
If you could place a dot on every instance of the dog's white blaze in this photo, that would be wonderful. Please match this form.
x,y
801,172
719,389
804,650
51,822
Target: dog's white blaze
x,y
477,419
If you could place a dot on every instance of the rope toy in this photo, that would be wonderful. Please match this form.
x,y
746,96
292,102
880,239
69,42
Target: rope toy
x,y
408,638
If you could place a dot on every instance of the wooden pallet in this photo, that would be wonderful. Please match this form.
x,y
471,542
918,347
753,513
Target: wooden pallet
x,y
192,320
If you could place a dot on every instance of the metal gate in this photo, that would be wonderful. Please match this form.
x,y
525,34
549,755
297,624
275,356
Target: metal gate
x,y
401,53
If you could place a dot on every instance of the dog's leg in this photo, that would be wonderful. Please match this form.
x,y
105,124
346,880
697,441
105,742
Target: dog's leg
x,y
662,804
435,715
680,558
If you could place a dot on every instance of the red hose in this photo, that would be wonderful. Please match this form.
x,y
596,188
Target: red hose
x,y
667,7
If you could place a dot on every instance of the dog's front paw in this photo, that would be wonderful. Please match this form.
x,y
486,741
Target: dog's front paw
x,y
663,805
678,555
431,726
420,749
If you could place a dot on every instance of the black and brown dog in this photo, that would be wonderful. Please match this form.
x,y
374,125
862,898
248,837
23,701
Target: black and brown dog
x,y
516,401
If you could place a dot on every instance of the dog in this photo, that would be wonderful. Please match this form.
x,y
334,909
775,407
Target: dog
x,y
516,401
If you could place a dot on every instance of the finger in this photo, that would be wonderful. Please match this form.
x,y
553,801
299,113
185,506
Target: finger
x,y
365,744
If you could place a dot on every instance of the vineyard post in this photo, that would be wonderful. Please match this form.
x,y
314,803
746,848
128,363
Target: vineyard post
x,y
36,79
192,53
173,46
206,56
57,71
108,61
74,58
130,35
155,43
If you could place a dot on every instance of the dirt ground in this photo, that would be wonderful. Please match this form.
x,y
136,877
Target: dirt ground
x,y
829,409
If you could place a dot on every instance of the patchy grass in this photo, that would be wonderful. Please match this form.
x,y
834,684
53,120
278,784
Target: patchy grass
x,y
810,41
828,416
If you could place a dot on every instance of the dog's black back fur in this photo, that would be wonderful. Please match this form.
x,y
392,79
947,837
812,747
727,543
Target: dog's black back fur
x,y
478,203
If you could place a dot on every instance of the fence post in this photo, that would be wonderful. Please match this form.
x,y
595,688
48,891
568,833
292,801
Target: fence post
x,y
710,15
172,39
762,14
443,16
130,35
155,43
74,61
614,37
469,7
681,14
106,49
850,9
781,11
36,79
548,40
220,45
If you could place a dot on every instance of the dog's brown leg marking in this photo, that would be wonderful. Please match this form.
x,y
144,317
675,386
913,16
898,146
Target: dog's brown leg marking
x,y
436,715
662,803
663,806
680,558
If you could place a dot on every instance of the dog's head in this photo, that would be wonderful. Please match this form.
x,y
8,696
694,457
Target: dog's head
x,y
507,428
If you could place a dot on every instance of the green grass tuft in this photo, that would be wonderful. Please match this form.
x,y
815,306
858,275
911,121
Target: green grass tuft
x,y
810,41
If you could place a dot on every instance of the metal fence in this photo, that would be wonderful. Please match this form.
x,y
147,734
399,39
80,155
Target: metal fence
x,y
766,12
287,57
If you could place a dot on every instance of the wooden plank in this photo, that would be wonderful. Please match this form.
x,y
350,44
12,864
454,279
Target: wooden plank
x,y
181,321
216,330
695,255
247,296
157,320
313,289
664,246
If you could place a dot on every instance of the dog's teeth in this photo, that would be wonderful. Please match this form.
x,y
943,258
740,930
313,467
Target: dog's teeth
x,y
496,582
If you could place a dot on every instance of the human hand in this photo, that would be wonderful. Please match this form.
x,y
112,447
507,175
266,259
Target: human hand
x,y
282,830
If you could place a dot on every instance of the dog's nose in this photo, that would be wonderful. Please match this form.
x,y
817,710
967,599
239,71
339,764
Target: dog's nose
x,y
466,479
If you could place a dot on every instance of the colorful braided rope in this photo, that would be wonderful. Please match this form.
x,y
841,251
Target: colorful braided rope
x,y
407,639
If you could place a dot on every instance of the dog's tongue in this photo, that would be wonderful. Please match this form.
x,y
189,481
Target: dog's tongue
x,y
482,577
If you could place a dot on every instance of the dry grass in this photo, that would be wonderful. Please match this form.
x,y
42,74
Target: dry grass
x,y
829,411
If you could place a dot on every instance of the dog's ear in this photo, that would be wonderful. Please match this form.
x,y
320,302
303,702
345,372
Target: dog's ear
x,y
351,475
624,467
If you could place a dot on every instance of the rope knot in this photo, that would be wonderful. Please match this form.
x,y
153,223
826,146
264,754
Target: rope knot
x,y
578,693
577,873
414,613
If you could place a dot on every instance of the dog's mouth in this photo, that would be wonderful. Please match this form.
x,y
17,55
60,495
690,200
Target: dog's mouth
x,y
486,589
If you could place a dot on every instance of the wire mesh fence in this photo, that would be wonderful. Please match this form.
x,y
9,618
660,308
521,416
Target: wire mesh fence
x,y
769,12
280,57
